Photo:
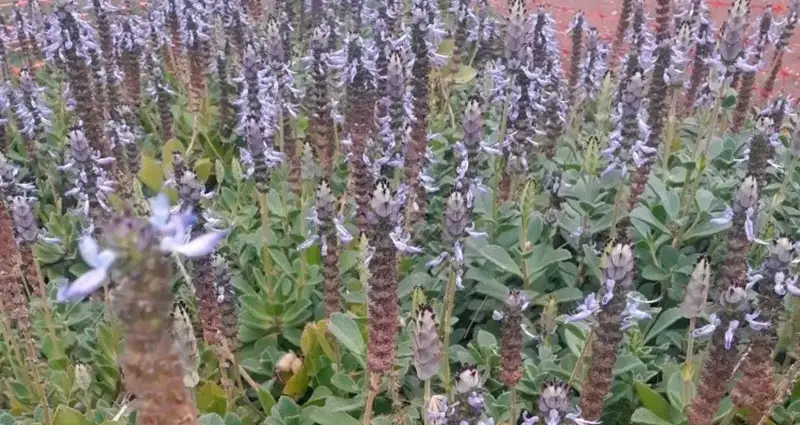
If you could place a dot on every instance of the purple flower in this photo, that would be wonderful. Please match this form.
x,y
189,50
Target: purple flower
x,y
99,262
585,309
729,333
708,329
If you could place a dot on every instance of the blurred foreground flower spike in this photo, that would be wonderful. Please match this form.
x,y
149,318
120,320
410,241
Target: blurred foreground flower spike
x,y
173,230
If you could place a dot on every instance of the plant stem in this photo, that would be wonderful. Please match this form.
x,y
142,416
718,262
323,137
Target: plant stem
x,y
446,329
513,405
373,381
426,399
584,352
672,127
688,367
262,200
48,315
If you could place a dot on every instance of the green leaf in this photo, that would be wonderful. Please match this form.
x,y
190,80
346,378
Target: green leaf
x,y
297,385
465,74
666,319
627,363
654,273
563,295
646,417
265,398
500,258
705,229
211,419
325,417
485,339
66,415
645,215
211,399
6,419
345,329
652,400
151,174
542,257
344,383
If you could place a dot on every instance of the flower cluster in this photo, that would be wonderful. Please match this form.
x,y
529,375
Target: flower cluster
x,y
555,407
173,230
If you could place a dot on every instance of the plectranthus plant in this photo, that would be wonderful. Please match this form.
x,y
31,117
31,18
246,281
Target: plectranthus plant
x,y
256,123
761,151
195,30
468,152
106,92
640,55
125,140
731,45
393,130
515,144
70,42
576,30
32,112
772,281
424,44
484,32
360,79
464,15
616,306
90,183
593,67
134,256
749,64
786,31
287,95
228,303
235,24
321,123
468,406
734,311
704,50
511,344
554,407
630,131
129,40
176,60
25,35
27,235
158,88
331,234
425,343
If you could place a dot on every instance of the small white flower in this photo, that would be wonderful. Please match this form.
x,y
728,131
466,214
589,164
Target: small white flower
x,y
755,324
401,242
585,309
609,291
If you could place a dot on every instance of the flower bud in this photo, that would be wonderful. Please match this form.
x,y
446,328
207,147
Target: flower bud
x,y
425,343
555,396
746,195
468,379
696,292
455,215
83,376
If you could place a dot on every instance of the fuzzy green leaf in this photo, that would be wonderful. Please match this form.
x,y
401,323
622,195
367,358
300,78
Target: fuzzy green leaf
x,y
501,259
653,401
646,417
345,329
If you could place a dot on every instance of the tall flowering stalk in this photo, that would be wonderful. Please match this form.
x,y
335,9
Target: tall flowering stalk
x,y
622,27
106,58
360,79
749,65
286,94
158,88
386,210
703,50
227,300
27,232
756,389
129,37
225,108
4,41
15,301
576,30
326,211
89,179
516,58
618,273
761,149
511,344
461,11
195,33
24,34
657,97
786,33
731,45
176,61
731,298
32,112
71,43
134,253
257,113
320,133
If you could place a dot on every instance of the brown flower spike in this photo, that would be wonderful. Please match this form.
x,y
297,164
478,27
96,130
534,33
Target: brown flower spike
x,y
619,269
